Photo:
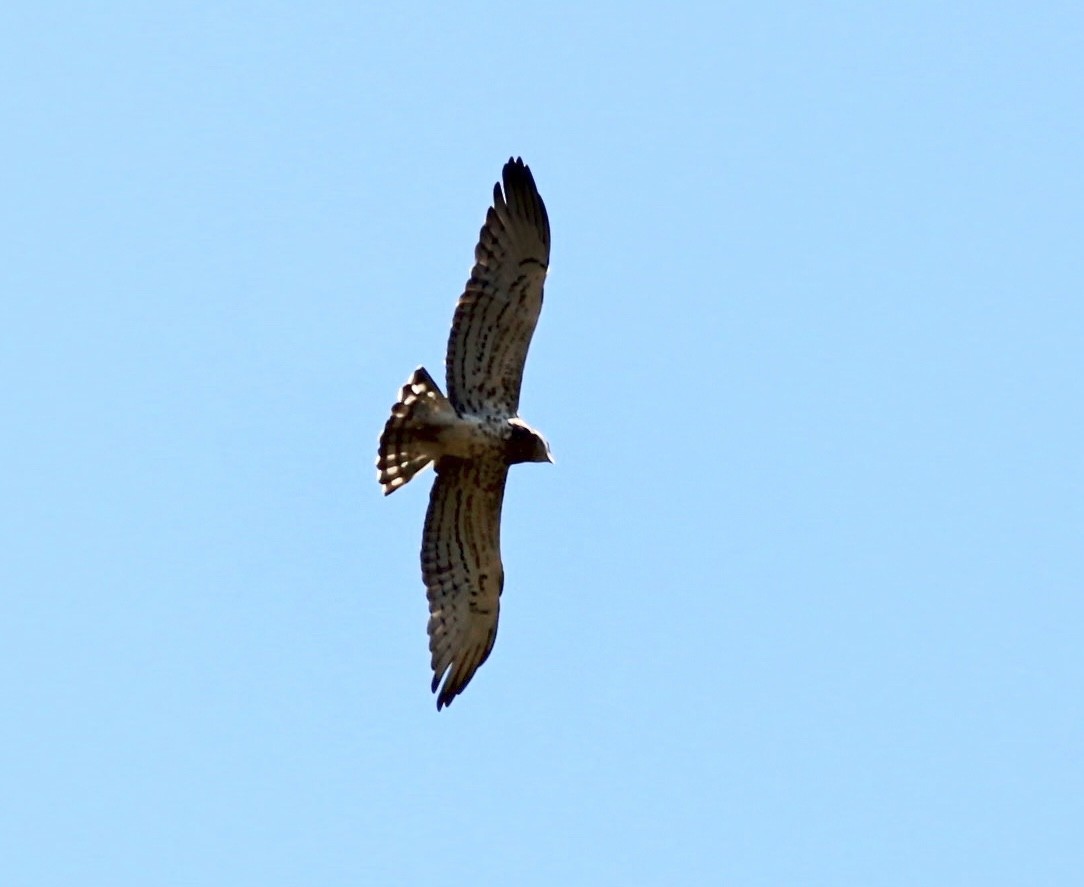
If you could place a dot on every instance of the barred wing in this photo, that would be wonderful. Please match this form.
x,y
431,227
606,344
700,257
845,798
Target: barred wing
x,y
461,566
498,311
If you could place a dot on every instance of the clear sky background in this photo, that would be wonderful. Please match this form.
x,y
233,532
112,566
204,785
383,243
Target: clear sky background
x,y
801,600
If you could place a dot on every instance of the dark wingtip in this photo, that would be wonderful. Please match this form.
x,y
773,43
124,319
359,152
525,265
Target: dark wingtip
x,y
448,692
445,697
521,192
514,169
444,700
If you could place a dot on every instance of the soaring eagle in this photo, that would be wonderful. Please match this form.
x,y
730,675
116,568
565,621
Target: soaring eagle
x,y
474,433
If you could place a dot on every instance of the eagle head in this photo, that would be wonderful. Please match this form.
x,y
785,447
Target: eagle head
x,y
526,445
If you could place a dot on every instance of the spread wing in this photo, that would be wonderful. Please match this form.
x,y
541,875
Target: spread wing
x,y
461,566
497,313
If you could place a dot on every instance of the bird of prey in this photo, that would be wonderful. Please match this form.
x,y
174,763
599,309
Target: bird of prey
x,y
474,433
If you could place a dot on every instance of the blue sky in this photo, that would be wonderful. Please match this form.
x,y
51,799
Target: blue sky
x,y
800,602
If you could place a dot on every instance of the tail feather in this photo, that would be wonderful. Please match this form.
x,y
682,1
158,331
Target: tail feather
x,y
412,425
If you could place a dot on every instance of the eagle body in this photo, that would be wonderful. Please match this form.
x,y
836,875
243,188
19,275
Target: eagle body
x,y
474,433
425,425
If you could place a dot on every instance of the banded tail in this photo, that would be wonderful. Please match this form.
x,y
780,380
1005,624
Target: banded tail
x,y
406,446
